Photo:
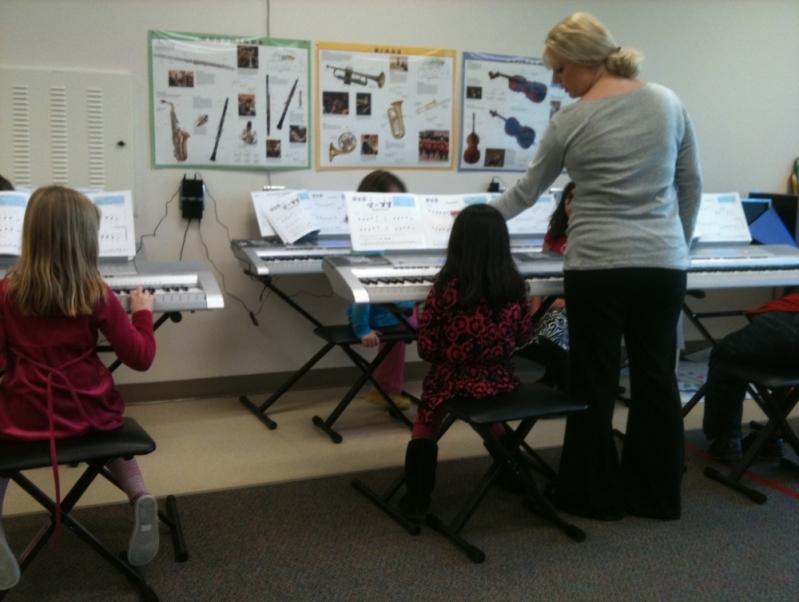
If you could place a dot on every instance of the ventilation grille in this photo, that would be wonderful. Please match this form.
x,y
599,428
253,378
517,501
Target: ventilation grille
x,y
94,123
59,155
21,135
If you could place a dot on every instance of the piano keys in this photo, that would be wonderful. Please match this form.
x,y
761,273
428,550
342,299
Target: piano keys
x,y
408,277
177,286
270,257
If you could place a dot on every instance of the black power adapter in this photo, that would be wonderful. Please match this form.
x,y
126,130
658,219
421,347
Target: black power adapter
x,y
192,198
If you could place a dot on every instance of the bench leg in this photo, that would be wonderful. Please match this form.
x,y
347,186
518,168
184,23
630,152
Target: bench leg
x,y
260,411
67,504
383,501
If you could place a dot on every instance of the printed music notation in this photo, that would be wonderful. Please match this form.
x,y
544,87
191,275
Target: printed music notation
x,y
12,211
721,219
291,216
385,221
117,235
330,209
440,212
534,220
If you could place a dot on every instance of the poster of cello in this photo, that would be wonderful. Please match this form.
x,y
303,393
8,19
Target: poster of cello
x,y
507,104
384,107
229,102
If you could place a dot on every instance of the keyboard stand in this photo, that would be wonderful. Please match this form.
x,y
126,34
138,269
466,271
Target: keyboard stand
x,y
333,338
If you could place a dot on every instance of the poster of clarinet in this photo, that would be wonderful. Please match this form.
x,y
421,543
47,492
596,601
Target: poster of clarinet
x,y
507,104
384,107
229,102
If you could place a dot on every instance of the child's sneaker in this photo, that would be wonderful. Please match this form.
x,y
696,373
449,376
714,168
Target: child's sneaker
x,y
143,544
402,402
9,569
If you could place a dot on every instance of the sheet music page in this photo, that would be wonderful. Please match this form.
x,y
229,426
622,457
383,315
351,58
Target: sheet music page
x,y
292,216
12,212
721,219
534,220
117,233
380,222
440,211
261,203
330,209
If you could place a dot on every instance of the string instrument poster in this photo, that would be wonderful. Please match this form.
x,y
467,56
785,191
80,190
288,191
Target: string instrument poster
x,y
507,104
229,102
384,107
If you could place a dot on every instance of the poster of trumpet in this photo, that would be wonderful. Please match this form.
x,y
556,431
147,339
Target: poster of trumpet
x,y
384,107
507,104
229,102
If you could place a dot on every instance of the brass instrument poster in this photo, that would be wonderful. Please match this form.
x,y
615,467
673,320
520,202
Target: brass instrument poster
x,y
507,104
229,102
385,107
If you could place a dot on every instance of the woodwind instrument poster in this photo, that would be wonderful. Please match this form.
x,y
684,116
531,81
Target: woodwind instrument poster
x,y
384,107
507,104
229,102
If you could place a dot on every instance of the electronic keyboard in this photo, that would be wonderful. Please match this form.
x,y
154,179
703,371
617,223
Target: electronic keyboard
x,y
176,286
270,257
392,278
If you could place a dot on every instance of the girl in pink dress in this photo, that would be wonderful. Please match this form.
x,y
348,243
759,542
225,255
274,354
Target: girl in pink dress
x,y
53,306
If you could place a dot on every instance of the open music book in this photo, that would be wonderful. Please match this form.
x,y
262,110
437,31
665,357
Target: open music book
x,y
117,234
380,221
722,219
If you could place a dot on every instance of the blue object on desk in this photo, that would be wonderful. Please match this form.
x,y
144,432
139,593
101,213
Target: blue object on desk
x,y
769,229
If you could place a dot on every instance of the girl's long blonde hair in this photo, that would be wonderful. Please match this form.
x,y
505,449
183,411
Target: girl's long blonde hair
x,y
57,273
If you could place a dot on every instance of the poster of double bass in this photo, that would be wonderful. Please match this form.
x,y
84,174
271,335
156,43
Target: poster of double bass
x,y
507,104
229,102
384,107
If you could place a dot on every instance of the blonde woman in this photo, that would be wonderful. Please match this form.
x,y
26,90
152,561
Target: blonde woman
x,y
54,304
630,148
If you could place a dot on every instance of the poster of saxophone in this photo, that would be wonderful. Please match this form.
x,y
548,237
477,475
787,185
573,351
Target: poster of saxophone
x,y
507,104
229,102
384,107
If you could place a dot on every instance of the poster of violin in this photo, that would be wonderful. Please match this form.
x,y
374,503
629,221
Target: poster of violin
x,y
384,107
229,102
507,104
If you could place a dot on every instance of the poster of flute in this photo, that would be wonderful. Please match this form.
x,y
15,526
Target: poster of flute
x,y
384,107
229,102
507,104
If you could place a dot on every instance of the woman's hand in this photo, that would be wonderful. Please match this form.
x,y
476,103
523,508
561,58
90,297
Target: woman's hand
x,y
372,339
141,299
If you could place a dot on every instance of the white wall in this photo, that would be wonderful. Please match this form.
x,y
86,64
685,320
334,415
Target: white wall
x,y
732,62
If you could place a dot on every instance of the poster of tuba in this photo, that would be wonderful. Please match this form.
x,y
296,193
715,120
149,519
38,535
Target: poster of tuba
x,y
384,107
229,102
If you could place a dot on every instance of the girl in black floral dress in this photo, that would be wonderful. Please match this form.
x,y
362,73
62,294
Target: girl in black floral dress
x,y
475,316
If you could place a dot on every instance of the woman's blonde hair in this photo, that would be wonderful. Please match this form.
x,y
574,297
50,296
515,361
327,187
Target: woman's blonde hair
x,y
582,39
57,273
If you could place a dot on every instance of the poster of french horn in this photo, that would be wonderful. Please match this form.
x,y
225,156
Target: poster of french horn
x,y
384,107
229,102
507,104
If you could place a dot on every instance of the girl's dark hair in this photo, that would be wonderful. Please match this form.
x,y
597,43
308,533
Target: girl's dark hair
x,y
560,220
381,181
479,258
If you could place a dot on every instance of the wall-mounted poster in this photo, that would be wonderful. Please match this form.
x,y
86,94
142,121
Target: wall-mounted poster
x,y
384,107
507,103
229,102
